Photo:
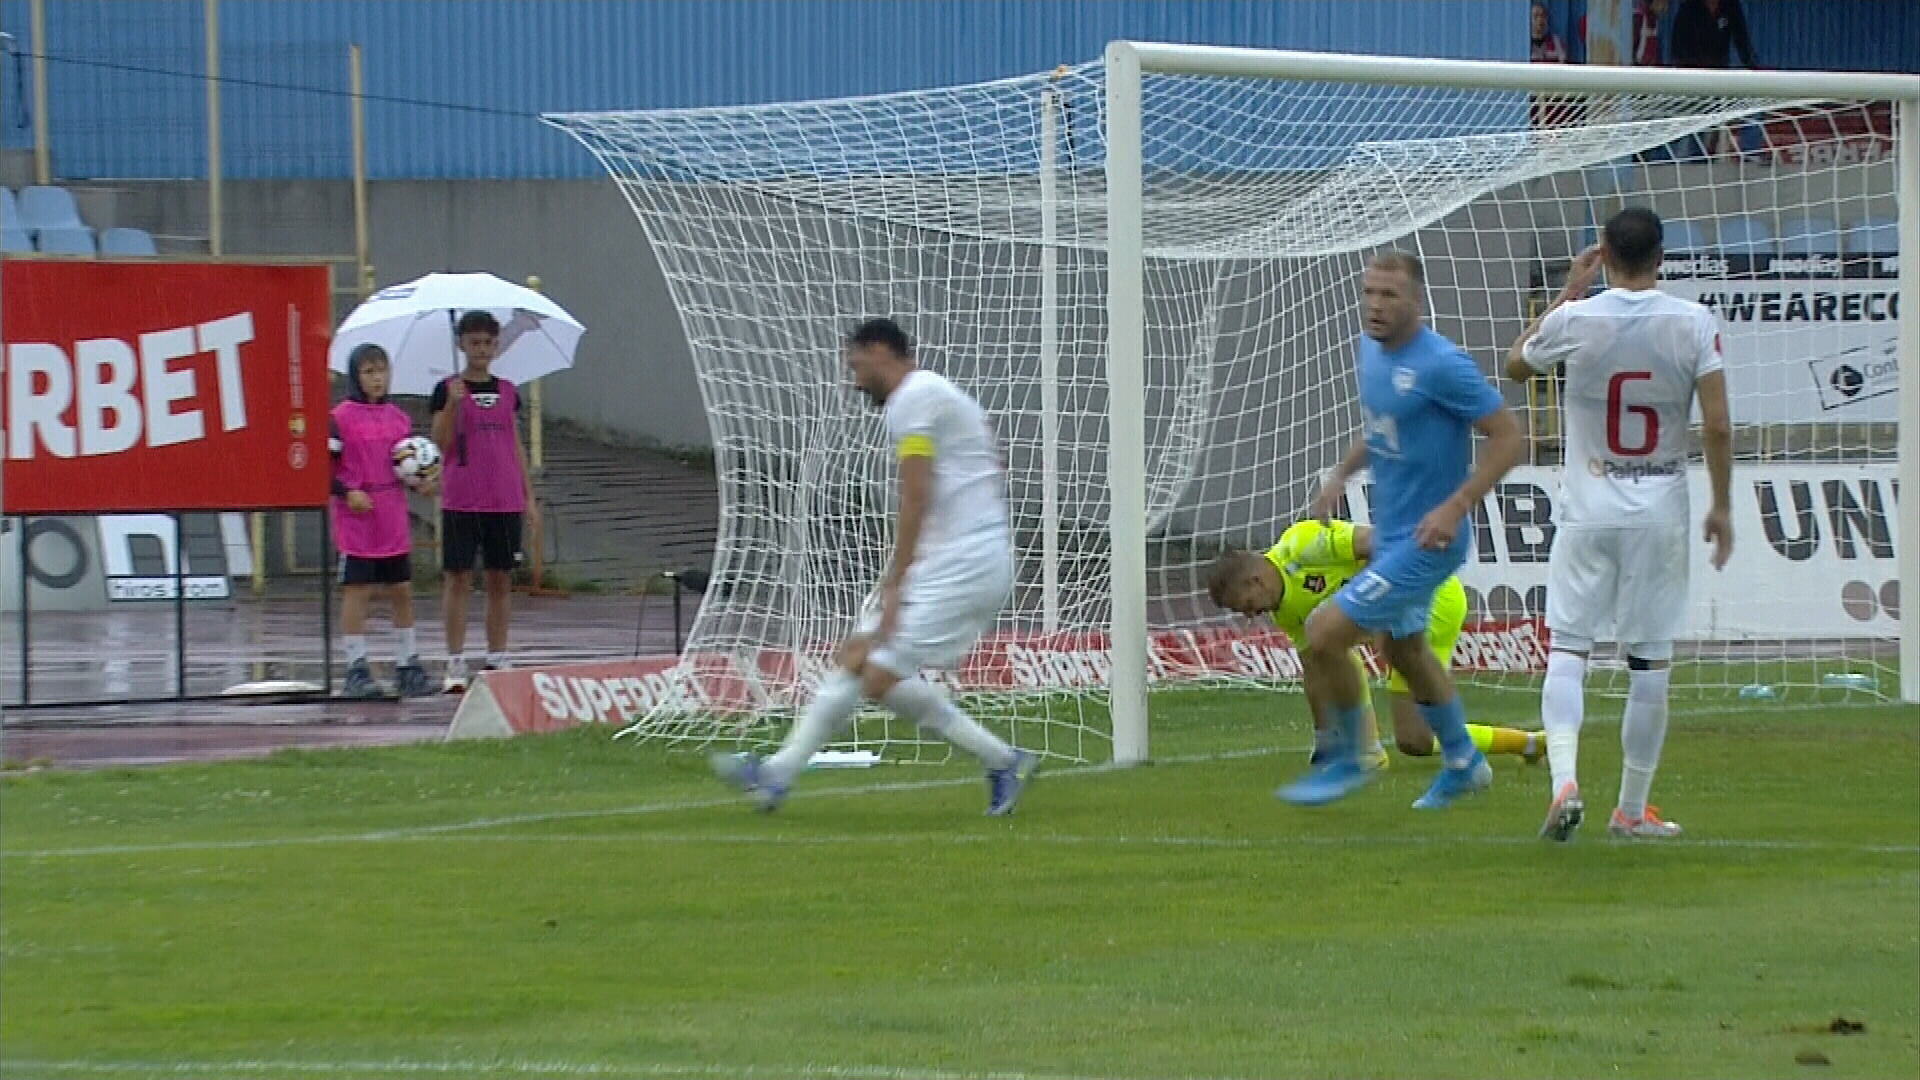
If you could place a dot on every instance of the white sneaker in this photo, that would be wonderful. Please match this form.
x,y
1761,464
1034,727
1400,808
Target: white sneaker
x,y
1649,827
456,675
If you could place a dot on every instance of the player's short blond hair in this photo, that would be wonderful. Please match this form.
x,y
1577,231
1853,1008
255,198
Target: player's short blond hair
x,y
1230,568
1405,262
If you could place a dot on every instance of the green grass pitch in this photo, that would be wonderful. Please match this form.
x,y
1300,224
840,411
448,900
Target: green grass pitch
x,y
572,907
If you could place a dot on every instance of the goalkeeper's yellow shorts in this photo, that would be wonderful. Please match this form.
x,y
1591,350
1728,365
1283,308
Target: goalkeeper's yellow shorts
x,y
1444,622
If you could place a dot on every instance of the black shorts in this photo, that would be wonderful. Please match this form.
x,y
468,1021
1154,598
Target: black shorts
x,y
391,570
493,539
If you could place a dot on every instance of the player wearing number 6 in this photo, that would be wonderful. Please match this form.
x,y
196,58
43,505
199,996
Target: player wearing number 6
x,y
1635,360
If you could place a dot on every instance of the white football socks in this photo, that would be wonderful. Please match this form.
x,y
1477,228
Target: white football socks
x,y
1563,706
922,702
833,702
1643,731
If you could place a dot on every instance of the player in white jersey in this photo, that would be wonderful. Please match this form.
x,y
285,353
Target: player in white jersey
x,y
951,573
1635,359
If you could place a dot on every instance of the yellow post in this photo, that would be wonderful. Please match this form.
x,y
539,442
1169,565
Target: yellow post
x,y
536,460
357,87
536,412
42,151
216,243
257,536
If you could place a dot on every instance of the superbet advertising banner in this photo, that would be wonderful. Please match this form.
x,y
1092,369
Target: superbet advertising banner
x,y
135,387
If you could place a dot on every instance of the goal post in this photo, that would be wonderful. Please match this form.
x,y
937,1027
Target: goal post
x,y
1129,63
1145,268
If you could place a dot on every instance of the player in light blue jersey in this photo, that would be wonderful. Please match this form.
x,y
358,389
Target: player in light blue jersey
x,y
1421,399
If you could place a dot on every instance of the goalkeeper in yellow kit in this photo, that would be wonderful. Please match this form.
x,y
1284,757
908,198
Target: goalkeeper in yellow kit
x,y
1310,563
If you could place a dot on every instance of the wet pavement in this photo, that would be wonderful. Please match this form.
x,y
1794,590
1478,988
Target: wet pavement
x,y
116,655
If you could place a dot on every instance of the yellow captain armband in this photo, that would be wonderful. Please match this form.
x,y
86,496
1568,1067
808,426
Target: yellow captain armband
x,y
915,446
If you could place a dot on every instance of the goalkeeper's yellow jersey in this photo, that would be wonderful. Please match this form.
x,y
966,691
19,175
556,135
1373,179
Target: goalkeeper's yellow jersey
x,y
1314,561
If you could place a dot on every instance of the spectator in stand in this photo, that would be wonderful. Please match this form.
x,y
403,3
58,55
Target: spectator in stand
x,y
1703,33
1546,110
1547,46
1647,17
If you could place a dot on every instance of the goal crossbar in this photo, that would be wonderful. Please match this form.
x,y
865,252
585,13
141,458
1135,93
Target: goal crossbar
x,y
1127,61
1224,60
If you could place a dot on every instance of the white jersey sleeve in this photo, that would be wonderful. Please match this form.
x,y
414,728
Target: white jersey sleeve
x,y
1632,359
1550,345
1706,341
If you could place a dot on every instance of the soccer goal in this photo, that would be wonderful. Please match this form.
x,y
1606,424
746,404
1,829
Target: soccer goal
x,y
1146,270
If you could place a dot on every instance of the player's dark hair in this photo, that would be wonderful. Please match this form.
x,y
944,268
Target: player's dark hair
x,y
1635,237
1404,261
1231,568
882,332
477,322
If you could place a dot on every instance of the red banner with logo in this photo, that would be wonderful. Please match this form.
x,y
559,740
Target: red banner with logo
x,y
532,700
137,386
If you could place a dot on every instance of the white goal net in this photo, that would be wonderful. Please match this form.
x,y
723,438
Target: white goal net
x,y
979,217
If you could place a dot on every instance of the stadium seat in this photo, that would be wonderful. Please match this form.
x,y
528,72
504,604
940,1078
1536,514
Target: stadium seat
x,y
127,242
15,241
9,209
1809,236
1686,236
1874,236
68,240
1745,236
48,208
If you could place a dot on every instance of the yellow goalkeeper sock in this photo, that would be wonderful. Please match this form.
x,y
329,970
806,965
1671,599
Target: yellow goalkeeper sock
x,y
1502,740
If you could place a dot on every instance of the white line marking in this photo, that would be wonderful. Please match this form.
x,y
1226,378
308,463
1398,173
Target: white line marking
x,y
508,1068
455,828
1234,843
408,832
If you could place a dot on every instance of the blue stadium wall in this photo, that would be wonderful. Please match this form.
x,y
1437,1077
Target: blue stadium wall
x,y
496,63
454,84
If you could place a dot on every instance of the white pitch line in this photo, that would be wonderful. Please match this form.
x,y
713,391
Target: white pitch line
x,y
1240,843
809,1071
409,832
1293,840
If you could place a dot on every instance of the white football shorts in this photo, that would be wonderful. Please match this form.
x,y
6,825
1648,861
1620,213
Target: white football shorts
x,y
949,599
1626,584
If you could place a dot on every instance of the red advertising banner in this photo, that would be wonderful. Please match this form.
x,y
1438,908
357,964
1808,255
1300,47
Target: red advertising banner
x,y
1830,135
148,386
528,701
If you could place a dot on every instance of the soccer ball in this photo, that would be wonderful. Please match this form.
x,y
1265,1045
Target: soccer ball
x,y
416,460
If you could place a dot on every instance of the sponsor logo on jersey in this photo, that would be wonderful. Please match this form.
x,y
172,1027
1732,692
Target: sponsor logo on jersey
x,y
1403,380
1638,470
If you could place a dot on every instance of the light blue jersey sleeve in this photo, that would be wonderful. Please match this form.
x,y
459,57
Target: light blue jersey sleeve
x,y
1455,384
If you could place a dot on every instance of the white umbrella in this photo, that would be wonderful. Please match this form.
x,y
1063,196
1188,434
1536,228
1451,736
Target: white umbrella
x,y
414,324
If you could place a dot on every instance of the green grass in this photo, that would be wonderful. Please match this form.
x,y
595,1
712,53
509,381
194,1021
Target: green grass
x,y
351,913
